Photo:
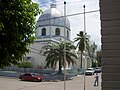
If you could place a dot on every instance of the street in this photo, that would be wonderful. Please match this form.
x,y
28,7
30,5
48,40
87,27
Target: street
x,y
76,83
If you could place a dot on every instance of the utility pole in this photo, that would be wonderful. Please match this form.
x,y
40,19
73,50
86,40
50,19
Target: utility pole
x,y
64,45
85,43
84,20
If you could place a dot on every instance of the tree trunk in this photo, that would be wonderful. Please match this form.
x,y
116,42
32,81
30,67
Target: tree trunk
x,y
60,68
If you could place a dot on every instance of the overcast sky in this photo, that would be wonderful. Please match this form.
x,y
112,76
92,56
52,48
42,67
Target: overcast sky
x,y
77,21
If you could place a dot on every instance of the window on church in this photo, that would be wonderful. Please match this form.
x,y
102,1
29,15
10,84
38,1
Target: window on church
x,y
57,32
43,32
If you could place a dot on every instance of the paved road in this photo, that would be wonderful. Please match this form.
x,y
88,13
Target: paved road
x,y
7,83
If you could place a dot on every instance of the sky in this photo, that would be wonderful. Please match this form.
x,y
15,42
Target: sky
x,y
77,21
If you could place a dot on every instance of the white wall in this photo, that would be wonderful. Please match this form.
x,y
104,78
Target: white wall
x,y
39,30
38,58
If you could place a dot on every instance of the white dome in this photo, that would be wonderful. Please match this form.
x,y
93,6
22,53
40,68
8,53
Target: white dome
x,y
52,17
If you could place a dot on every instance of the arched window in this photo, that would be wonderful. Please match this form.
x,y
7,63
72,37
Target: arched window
x,y
43,32
57,31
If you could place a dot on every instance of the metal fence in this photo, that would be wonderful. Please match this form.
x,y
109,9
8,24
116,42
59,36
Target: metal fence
x,y
31,70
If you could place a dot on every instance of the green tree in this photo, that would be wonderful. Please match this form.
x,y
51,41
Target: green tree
x,y
82,40
17,26
99,56
92,52
25,64
55,54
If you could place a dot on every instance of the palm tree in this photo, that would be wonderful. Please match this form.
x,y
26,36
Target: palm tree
x,y
55,55
82,40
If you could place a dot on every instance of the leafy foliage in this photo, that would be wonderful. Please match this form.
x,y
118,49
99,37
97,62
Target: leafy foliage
x,y
82,40
92,50
99,56
25,64
55,54
96,64
17,25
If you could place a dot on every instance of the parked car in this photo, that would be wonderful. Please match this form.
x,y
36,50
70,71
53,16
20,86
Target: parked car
x,y
98,69
89,71
31,77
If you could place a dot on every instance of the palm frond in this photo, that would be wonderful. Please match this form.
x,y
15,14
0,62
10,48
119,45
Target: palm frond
x,y
55,54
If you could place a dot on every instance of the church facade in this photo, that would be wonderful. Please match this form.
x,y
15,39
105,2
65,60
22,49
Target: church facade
x,y
50,28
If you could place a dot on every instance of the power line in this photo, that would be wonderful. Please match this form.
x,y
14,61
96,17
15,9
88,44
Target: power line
x,y
73,2
59,2
70,15
83,13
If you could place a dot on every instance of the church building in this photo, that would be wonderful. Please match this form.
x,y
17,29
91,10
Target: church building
x,y
51,27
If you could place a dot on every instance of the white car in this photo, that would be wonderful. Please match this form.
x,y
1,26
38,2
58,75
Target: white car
x,y
97,69
89,71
